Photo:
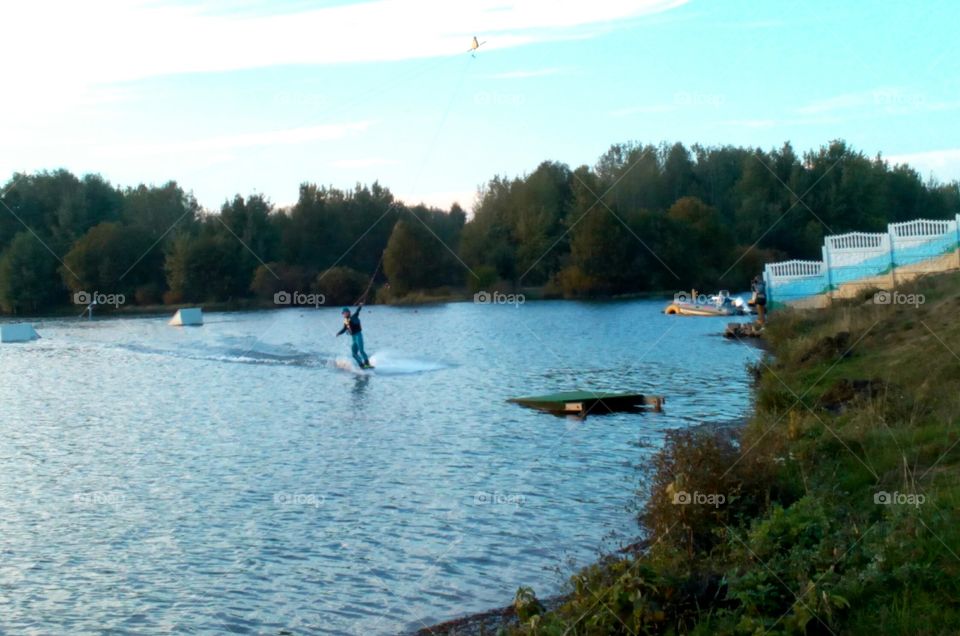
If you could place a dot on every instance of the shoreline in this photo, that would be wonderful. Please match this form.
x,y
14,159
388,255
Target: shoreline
x,y
832,485
484,623
492,621
412,300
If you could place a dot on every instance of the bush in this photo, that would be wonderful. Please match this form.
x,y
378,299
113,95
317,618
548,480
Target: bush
x,y
486,277
576,284
620,596
279,277
526,604
797,581
702,485
341,285
149,294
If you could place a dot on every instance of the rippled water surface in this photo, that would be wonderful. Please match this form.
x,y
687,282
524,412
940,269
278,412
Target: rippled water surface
x,y
233,478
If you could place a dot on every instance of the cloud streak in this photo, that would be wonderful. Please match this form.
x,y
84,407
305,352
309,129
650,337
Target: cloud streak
x,y
220,144
365,162
945,164
121,40
884,100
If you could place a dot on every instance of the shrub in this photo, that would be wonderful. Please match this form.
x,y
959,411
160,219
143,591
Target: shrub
x,y
575,283
340,285
701,485
149,294
271,278
486,277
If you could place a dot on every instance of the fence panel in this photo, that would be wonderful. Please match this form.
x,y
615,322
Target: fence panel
x,y
858,256
921,240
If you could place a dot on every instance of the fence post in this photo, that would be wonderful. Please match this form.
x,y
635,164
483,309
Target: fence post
x,y
827,269
767,280
957,248
893,257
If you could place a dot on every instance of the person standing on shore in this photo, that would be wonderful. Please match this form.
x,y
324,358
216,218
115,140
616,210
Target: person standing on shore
x,y
760,299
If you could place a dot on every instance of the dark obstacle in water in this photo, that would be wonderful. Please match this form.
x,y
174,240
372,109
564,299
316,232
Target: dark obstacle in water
x,y
595,402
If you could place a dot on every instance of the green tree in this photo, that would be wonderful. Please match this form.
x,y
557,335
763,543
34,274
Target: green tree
x,y
601,250
410,257
248,222
716,172
111,259
629,178
488,239
272,278
341,285
163,212
679,179
705,237
57,206
206,268
28,277
541,203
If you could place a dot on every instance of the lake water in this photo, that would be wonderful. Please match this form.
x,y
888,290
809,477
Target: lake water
x,y
231,478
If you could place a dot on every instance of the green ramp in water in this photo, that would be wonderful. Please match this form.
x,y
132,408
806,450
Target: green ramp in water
x,y
582,402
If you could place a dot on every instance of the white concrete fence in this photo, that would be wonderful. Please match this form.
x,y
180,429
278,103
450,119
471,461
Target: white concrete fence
x,y
858,260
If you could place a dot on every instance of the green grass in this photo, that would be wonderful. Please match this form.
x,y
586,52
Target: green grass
x,y
856,402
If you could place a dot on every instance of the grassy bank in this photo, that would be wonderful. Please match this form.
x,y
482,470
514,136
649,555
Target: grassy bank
x,y
832,511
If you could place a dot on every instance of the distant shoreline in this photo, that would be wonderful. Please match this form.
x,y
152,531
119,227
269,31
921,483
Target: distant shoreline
x,y
410,300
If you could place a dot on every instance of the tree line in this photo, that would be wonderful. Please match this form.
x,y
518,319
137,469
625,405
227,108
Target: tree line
x,y
644,218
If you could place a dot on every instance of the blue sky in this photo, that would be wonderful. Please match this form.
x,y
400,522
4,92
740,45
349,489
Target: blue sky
x,y
250,96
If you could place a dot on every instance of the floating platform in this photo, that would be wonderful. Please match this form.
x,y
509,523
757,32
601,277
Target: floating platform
x,y
17,332
188,317
584,402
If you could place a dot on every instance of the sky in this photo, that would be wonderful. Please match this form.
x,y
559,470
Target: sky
x,y
249,96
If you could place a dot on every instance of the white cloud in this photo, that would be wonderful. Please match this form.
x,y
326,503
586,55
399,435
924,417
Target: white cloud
x,y
365,162
117,40
890,100
59,65
224,143
944,164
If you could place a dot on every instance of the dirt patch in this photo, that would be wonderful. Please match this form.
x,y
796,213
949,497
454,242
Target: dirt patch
x,y
843,392
829,348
